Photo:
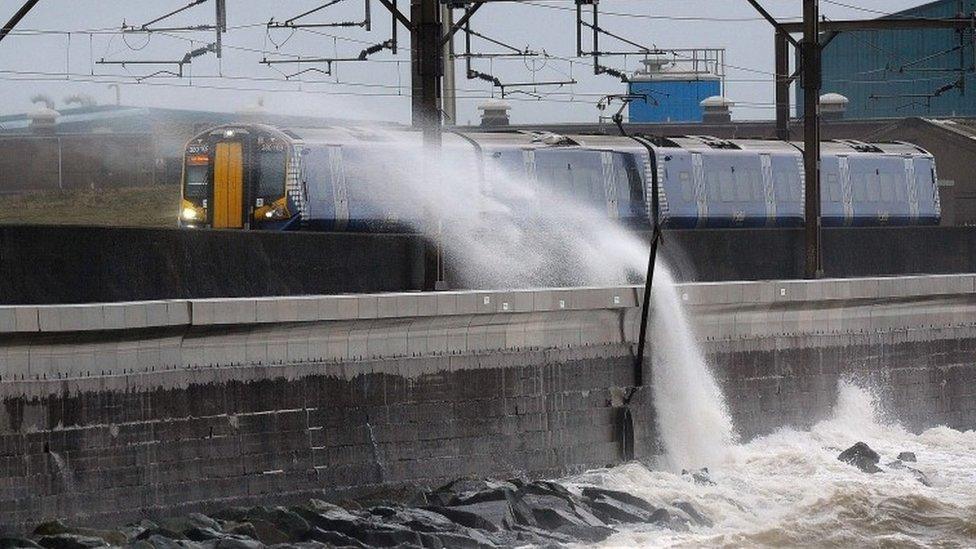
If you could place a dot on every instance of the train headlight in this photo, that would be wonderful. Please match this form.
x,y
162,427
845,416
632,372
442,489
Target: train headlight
x,y
189,214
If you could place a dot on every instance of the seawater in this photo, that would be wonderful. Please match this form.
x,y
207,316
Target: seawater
x,y
788,489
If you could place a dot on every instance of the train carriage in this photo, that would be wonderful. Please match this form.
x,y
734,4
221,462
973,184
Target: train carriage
x,y
373,179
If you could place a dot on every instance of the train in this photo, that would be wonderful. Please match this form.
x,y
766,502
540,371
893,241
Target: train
x,y
345,178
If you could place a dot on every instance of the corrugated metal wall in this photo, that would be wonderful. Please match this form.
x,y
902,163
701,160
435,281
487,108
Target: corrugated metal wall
x,y
671,100
870,67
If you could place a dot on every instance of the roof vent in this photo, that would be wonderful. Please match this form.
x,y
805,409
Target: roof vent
x,y
717,110
43,119
494,114
833,106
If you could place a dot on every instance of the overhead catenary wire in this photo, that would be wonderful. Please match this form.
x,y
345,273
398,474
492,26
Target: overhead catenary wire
x,y
562,95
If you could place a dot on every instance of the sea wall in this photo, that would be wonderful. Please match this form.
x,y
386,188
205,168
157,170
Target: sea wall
x,y
65,264
114,412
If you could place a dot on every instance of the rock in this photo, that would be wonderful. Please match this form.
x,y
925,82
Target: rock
x,y
289,522
56,527
420,520
487,516
234,542
697,518
623,497
333,538
463,541
12,543
163,542
203,534
265,532
671,520
554,511
138,530
540,537
232,514
159,531
465,491
861,456
188,522
907,456
248,530
364,528
70,541
919,476
50,528
700,476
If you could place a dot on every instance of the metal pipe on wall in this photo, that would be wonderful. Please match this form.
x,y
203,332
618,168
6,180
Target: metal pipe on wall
x,y
811,136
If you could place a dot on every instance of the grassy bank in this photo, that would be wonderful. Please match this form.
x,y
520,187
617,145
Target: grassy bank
x,y
155,206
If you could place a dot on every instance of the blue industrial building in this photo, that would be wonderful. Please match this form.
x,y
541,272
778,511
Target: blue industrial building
x,y
899,73
674,87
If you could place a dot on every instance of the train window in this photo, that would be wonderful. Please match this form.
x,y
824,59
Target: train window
x,y
587,186
887,187
196,181
858,182
726,186
635,185
711,186
687,192
781,186
874,187
900,191
743,190
833,188
271,176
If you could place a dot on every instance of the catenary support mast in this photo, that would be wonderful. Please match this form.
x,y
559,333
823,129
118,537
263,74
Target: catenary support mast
x,y
811,135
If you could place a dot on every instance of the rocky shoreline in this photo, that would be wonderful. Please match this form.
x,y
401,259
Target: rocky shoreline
x,y
465,513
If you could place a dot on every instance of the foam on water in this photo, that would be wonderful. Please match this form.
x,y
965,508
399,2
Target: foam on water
x,y
789,489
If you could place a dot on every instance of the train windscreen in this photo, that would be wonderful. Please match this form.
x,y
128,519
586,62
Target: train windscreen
x,y
197,170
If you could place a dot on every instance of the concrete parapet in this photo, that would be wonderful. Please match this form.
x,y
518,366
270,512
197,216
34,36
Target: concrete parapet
x,y
42,342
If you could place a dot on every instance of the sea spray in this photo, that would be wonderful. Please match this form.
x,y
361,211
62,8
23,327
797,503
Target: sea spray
x,y
788,488
508,231
692,419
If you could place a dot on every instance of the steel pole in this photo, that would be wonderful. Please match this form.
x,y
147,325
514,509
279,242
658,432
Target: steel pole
x,y
425,83
782,47
811,136
449,96
426,69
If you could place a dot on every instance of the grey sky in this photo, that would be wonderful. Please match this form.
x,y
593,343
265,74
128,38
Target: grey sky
x,y
36,62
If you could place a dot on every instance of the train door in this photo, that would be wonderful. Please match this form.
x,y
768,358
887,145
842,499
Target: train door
x,y
228,189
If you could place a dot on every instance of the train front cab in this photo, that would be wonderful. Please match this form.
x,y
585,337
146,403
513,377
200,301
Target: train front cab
x,y
236,178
